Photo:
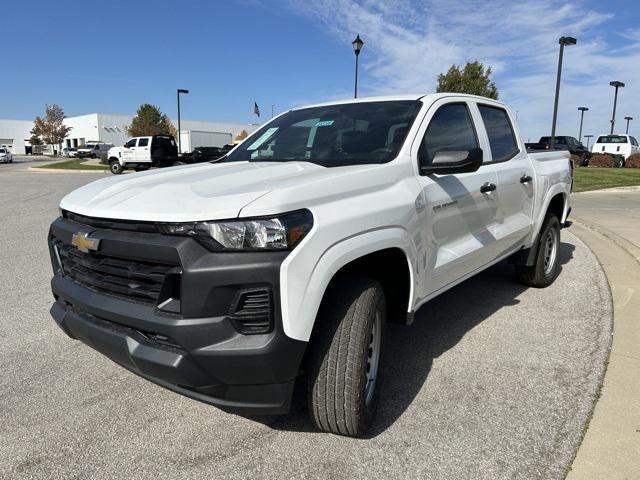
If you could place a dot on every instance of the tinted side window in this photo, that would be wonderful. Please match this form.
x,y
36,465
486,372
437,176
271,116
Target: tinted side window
x,y
451,128
143,142
634,141
130,143
501,137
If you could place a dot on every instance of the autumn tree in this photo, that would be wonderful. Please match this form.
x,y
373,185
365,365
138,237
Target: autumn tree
x,y
149,120
35,140
51,129
472,79
241,136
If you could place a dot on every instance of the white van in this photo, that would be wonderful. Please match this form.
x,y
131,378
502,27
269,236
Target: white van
x,y
622,145
93,149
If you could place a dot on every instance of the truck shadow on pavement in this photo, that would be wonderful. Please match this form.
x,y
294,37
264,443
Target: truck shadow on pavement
x,y
439,325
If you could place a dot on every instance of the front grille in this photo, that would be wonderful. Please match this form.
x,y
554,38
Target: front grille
x,y
251,311
131,279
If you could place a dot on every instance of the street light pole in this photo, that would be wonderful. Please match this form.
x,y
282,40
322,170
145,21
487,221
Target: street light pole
x,y
616,85
272,105
588,137
582,110
357,46
563,41
628,119
178,92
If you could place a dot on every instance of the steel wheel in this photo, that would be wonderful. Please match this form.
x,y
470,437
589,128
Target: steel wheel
x,y
373,358
550,251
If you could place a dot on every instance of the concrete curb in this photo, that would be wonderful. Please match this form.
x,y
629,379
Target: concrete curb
x,y
611,445
632,188
63,170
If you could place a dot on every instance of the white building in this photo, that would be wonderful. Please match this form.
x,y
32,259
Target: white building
x,y
107,128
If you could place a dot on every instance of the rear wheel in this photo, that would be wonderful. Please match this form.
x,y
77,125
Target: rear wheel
x,y
346,354
115,167
619,161
546,267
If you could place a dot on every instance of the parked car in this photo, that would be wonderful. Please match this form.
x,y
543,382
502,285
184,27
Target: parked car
x,y
228,281
620,146
93,150
205,154
69,152
140,153
563,142
5,155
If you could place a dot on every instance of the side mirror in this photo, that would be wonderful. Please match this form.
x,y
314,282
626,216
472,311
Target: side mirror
x,y
446,162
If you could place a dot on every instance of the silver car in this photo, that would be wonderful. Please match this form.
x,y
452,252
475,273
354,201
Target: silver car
x,y
5,155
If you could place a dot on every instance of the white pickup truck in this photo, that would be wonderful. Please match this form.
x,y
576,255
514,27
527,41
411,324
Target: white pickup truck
x,y
141,153
228,282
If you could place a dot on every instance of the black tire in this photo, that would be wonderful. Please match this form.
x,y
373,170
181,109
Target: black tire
x,y
341,357
619,161
115,167
546,267
177,163
141,169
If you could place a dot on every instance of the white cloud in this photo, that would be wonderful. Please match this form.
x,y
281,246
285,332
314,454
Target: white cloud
x,y
408,43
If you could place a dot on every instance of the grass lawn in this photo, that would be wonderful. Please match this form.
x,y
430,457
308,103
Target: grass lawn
x,y
75,164
585,179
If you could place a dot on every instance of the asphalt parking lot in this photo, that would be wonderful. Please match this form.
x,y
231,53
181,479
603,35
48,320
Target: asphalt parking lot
x,y
492,381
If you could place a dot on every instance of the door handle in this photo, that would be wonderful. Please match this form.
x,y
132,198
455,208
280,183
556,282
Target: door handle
x,y
525,179
487,187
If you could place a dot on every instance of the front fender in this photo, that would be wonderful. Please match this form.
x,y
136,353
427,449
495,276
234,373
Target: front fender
x,y
304,277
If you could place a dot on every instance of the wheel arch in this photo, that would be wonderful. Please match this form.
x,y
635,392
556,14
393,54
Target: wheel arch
x,y
367,254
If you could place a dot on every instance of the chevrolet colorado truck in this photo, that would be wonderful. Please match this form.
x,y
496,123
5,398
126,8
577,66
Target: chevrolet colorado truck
x,y
283,261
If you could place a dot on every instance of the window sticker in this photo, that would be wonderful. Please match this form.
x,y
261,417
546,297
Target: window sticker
x,y
324,123
263,138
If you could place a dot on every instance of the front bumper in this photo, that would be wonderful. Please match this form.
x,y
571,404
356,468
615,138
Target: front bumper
x,y
198,350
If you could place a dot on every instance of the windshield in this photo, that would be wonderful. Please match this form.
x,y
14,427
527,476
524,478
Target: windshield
x,y
335,135
612,139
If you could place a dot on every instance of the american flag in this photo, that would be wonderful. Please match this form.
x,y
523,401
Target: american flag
x,y
256,109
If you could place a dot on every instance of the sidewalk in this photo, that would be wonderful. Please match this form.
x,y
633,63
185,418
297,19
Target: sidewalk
x,y
609,223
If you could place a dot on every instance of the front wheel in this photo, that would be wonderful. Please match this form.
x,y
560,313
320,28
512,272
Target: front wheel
x,y
546,267
346,354
115,167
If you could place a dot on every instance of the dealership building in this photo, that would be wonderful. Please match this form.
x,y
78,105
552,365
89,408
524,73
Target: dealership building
x,y
101,127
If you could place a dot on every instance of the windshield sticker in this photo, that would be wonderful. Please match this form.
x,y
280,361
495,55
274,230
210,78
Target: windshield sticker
x,y
263,138
324,123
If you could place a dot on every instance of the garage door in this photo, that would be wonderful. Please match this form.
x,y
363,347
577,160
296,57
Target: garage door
x,y
7,143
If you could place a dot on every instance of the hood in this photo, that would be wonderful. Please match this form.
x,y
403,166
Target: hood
x,y
188,193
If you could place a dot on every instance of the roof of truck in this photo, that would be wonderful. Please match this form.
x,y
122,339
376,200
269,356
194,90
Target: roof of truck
x,y
392,98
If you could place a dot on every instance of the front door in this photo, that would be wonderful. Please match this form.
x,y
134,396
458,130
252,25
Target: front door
x,y
459,210
129,151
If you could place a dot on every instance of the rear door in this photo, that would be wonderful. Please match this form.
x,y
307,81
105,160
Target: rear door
x,y
514,193
143,150
457,218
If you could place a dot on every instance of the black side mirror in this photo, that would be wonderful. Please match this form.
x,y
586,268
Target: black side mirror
x,y
446,162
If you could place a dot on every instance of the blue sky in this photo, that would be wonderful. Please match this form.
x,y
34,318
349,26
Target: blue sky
x,y
99,57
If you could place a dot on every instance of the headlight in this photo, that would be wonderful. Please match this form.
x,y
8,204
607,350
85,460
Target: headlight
x,y
281,232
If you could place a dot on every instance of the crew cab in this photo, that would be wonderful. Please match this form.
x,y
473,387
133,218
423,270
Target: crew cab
x,y
140,153
563,142
283,261
620,146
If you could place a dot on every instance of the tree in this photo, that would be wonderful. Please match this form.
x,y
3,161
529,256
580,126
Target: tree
x,y
51,129
149,120
242,135
35,140
473,79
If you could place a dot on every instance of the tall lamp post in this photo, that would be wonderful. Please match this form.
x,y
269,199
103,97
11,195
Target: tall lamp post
x,y
178,92
564,41
588,137
628,119
357,46
582,110
616,85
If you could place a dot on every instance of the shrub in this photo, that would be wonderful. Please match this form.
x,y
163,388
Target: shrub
x,y
633,161
575,159
103,159
601,160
